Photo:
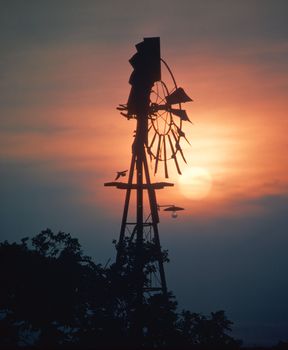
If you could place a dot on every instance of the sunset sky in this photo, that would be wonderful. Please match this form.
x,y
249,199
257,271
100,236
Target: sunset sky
x,y
63,71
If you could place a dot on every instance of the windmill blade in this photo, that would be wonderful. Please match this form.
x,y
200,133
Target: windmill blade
x,y
174,156
181,152
158,154
182,134
178,96
152,143
181,113
178,147
175,138
171,146
165,159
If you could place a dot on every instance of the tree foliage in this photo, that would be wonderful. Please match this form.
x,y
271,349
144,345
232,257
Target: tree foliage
x,y
204,330
51,294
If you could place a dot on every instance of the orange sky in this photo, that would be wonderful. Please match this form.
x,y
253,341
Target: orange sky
x,y
238,133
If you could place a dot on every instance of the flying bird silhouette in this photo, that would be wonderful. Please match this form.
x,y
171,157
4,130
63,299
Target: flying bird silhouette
x,y
120,173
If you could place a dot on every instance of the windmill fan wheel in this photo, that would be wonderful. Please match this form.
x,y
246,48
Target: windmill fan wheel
x,y
166,118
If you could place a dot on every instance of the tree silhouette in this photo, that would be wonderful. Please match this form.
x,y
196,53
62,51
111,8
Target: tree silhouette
x,y
49,288
210,331
51,295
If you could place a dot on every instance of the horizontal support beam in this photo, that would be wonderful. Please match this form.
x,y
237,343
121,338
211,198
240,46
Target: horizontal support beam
x,y
151,289
126,186
144,224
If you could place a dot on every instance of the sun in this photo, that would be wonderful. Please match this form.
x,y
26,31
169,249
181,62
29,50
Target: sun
x,y
195,183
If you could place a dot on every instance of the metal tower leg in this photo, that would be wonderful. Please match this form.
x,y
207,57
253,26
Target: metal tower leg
x,y
125,213
155,221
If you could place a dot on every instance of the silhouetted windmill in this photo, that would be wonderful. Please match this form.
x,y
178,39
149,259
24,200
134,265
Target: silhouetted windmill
x,y
159,116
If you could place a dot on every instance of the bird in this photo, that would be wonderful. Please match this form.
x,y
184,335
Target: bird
x,y
120,173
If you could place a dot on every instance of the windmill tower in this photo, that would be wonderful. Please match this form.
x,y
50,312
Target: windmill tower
x,y
159,117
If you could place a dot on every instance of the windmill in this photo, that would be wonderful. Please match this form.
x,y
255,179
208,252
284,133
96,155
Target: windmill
x,y
157,109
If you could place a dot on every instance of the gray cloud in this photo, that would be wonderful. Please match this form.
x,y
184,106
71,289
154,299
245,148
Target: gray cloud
x,y
110,21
